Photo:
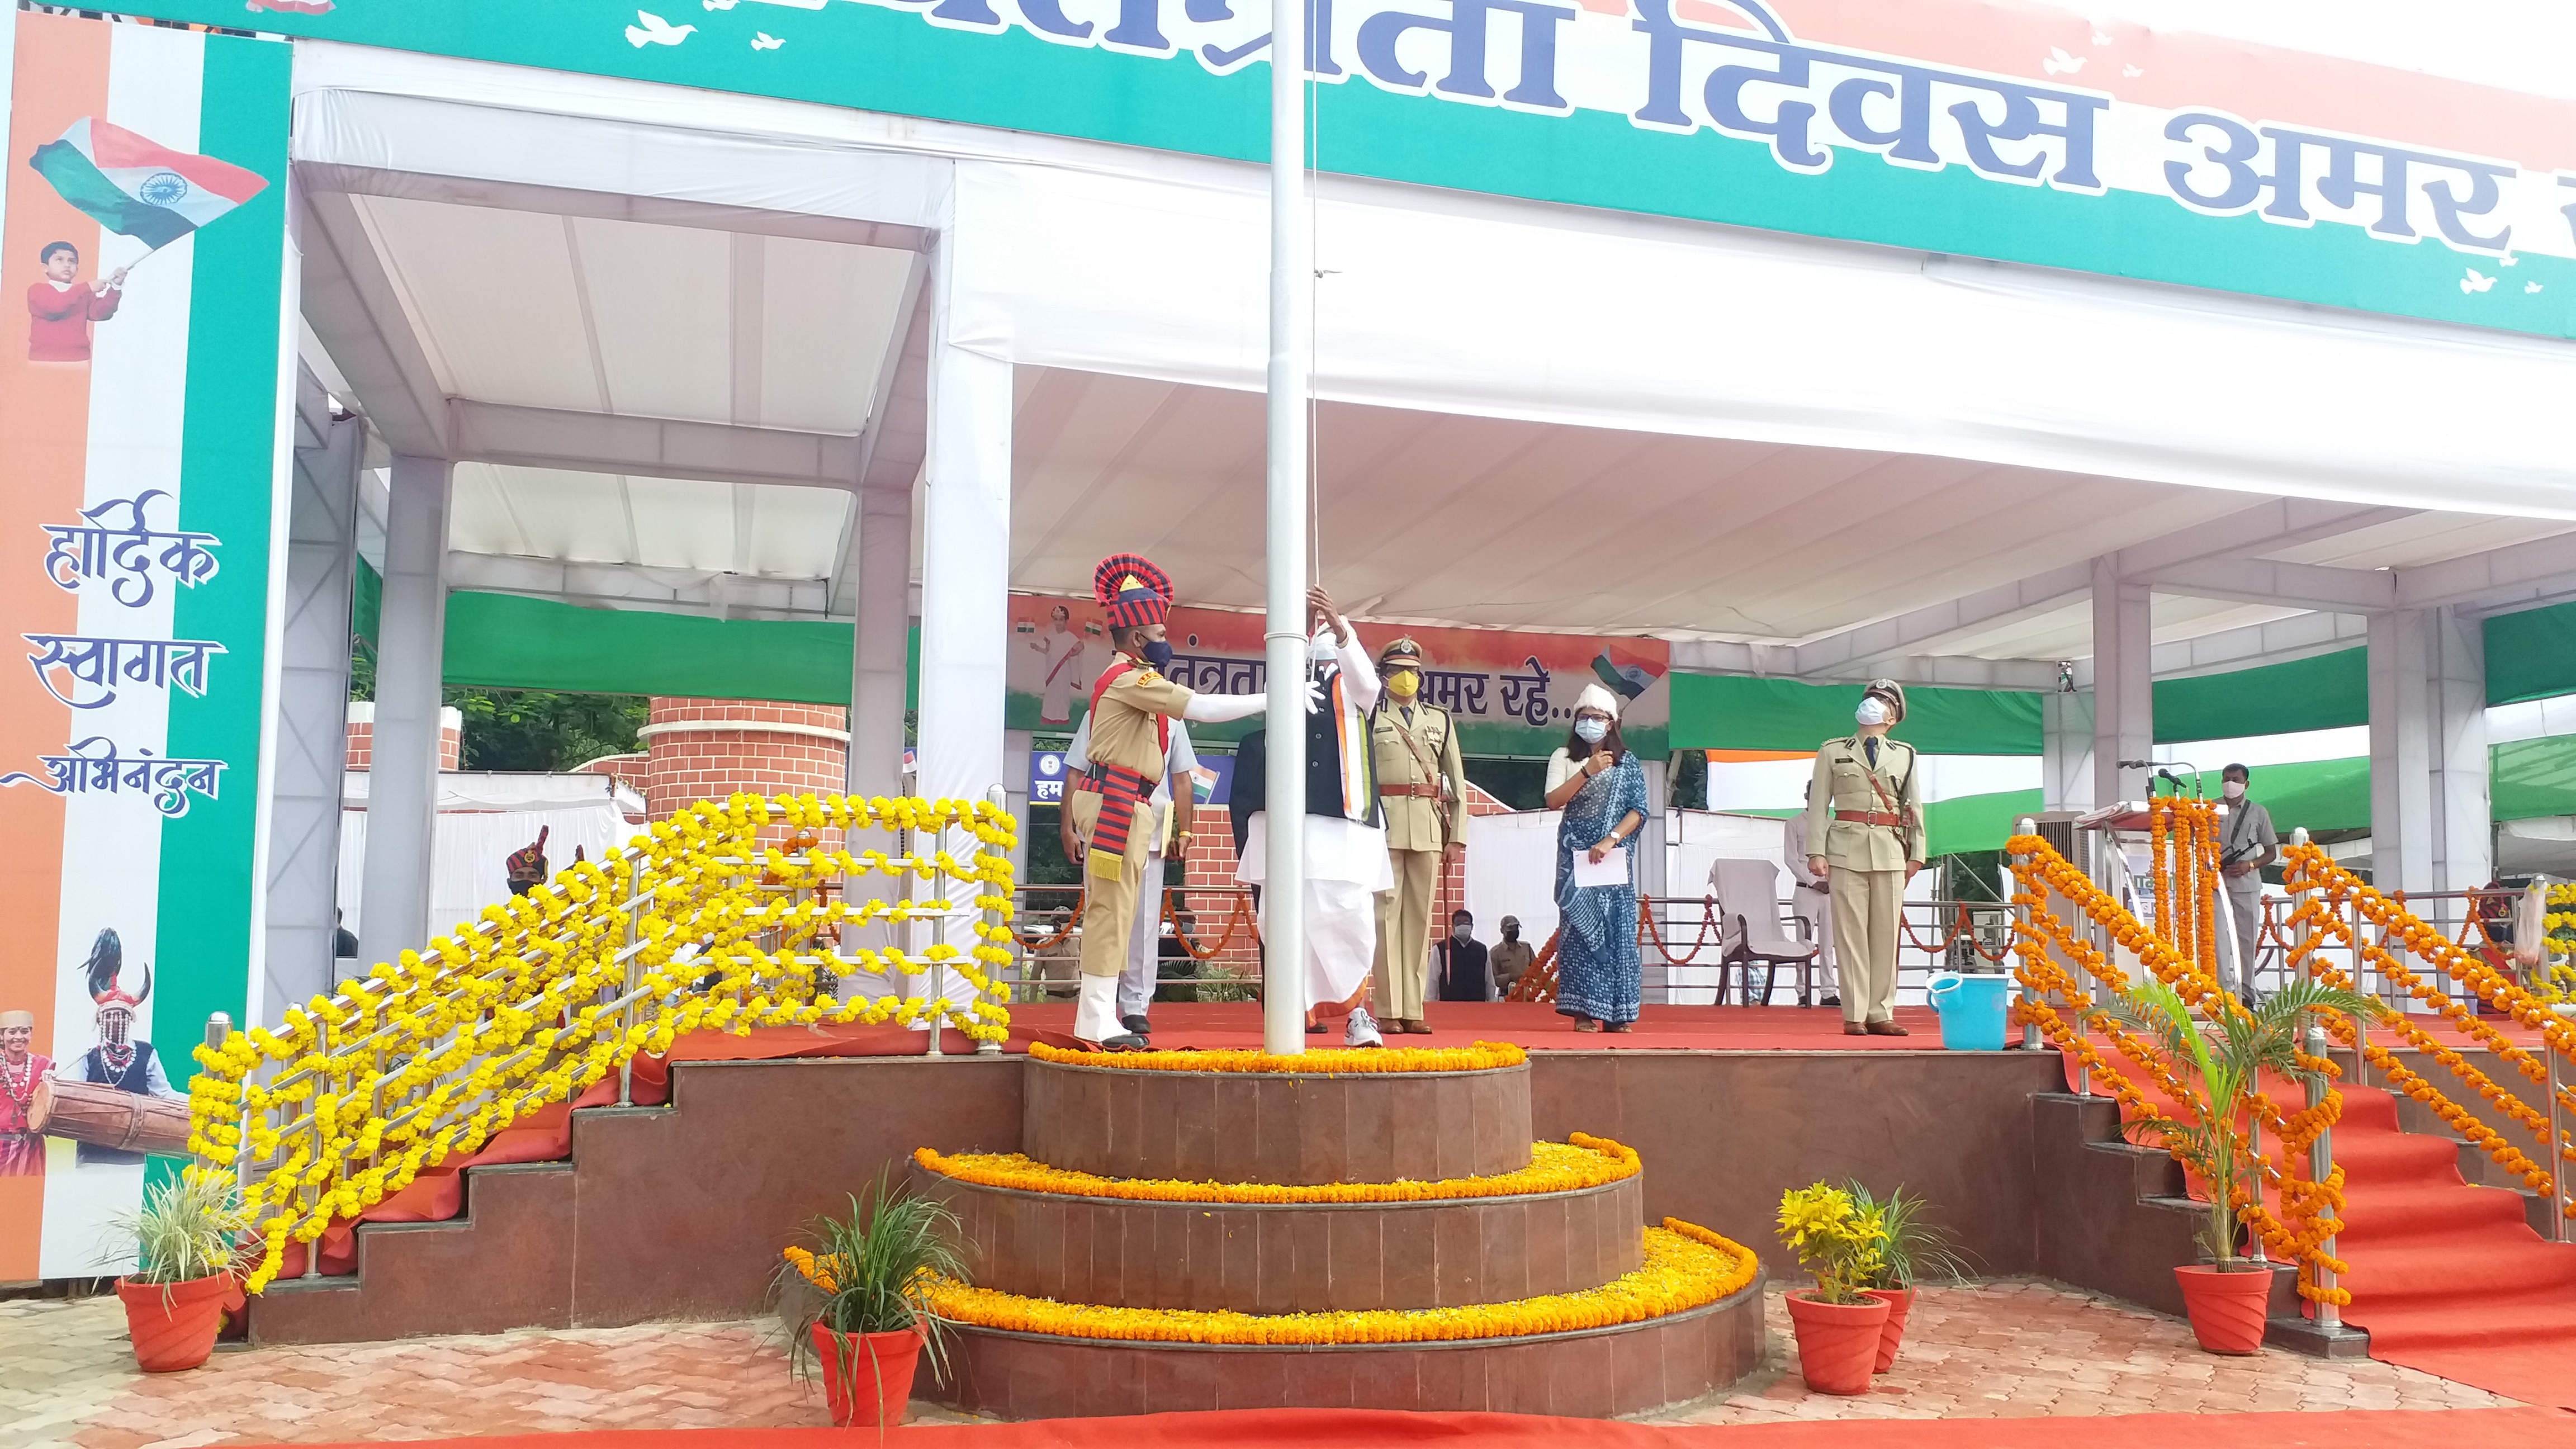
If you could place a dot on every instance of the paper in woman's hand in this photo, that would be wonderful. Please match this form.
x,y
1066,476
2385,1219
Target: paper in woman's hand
x,y
1612,868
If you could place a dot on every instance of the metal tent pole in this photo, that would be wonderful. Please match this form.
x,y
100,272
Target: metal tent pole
x,y
1292,288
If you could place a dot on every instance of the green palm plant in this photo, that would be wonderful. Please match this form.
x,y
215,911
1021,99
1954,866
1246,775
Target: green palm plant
x,y
2220,1060
871,1272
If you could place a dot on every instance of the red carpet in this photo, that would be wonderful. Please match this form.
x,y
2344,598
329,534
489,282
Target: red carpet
x,y
2448,1278
1535,1025
1367,1429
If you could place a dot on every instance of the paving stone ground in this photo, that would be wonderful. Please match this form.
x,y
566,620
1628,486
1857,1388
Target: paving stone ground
x,y
2002,1349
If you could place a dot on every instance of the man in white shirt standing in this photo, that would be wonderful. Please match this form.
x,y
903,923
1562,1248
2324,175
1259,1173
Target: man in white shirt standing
x,y
1810,900
1167,835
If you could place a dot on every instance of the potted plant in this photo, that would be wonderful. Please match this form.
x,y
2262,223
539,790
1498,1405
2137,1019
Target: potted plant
x,y
1917,1251
1838,1324
860,1307
186,1238
2221,1062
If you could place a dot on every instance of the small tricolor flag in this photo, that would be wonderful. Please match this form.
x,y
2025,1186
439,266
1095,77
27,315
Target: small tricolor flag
x,y
142,190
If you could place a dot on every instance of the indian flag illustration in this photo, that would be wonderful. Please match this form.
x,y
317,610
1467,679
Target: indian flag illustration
x,y
134,186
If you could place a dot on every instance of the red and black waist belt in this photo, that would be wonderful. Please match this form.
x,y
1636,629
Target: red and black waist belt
x,y
1410,792
1121,791
1870,817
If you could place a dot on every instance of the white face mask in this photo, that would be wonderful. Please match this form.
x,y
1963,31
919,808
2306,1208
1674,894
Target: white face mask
x,y
1322,649
1591,731
1872,711
2233,789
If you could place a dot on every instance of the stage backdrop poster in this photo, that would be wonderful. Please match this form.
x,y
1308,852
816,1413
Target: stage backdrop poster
x,y
140,425
1512,693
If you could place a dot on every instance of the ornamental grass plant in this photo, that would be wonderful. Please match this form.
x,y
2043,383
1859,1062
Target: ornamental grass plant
x,y
189,1227
1917,1250
871,1271
1842,1244
2220,1060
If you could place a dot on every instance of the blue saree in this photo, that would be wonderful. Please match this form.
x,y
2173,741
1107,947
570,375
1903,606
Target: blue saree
x,y
1597,970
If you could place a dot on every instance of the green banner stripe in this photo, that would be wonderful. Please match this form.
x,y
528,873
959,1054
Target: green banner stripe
x,y
2531,655
1731,712
1978,822
502,641
227,479
2328,691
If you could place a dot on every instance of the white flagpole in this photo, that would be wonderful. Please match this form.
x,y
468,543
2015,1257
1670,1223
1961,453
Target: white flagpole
x,y
1292,285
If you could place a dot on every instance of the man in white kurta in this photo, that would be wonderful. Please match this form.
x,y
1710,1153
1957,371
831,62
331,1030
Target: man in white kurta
x,y
1810,902
1346,859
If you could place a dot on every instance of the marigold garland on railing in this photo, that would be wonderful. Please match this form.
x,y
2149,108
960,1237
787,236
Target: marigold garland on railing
x,y
2309,1212
694,927
1572,1166
2308,869
1483,1056
1686,1267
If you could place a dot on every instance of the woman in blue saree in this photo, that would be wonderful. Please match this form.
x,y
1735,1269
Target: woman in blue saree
x,y
1601,787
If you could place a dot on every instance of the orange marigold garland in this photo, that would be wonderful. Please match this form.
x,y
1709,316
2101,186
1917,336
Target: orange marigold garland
x,y
1483,1056
1572,1166
1685,1268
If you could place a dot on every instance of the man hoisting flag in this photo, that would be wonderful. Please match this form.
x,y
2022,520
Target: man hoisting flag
x,y
1132,707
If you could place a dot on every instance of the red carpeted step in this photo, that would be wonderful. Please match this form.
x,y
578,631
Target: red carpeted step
x,y
2402,1213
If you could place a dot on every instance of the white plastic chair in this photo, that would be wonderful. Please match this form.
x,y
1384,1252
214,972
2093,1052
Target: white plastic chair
x,y
1750,930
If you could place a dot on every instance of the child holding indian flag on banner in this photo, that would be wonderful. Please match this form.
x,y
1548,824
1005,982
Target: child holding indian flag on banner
x,y
129,186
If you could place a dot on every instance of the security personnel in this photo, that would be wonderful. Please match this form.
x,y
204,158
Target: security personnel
x,y
1132,709
1421,780
1864,806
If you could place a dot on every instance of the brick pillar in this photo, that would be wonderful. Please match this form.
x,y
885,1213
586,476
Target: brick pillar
x,y
362,733
707,749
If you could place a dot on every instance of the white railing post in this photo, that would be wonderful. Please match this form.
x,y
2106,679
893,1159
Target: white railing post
x,y
939,888
2557,1132
2029,995
2320,1167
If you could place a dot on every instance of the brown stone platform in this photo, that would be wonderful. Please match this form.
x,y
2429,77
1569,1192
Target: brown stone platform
x,y
1280,1127
1292,1258
1596,1374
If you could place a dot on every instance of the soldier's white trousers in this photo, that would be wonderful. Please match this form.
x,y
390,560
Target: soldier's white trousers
x,y
1867,907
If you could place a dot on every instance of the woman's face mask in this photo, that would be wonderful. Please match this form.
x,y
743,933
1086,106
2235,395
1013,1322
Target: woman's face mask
x,y
1591,731
1872,711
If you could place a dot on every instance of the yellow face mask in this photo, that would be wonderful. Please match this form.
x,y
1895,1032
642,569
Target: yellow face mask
x,y
1404,683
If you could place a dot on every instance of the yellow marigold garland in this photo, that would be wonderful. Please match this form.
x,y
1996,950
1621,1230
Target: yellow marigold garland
x,y
1685,1268
1483,1056
431,1055
1583,1162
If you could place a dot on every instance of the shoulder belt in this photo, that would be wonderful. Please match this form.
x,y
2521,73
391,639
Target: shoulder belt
x,y
1109,679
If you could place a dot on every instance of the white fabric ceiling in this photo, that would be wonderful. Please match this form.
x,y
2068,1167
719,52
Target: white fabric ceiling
x,y
593,315
1436,518
737,528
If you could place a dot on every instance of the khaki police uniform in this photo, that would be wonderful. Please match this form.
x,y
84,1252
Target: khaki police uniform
x,y
1124,732
1867,820
1422,784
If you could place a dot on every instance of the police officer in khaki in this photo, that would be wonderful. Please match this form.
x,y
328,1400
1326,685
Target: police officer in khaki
x,y
1422,783
1865,808
1132,710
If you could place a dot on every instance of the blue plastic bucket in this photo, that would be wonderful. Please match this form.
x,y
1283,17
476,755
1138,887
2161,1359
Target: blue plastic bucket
x,y
1973,1010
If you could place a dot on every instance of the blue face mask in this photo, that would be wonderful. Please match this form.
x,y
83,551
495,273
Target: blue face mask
x,y
1158,653
1591,731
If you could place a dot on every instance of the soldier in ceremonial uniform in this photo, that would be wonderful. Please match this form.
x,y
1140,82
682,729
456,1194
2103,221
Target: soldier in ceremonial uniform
x,y
1865,817
1132,709
1420,778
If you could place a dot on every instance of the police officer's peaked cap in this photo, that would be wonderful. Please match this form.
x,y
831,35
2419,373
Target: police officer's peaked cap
x,y
1402,651
1892,692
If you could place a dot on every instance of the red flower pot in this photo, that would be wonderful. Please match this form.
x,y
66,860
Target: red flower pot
x,y
1837,1342
2227,1310
1900,1301
173,1325
868,1376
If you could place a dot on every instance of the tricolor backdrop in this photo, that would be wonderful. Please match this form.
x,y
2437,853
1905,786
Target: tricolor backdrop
x,y
142,430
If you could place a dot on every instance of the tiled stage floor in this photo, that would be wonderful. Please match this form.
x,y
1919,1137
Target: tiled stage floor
x,y
2003,1349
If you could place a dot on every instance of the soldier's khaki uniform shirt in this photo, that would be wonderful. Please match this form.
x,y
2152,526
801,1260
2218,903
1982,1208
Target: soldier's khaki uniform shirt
x,y
1402,741
1843,782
